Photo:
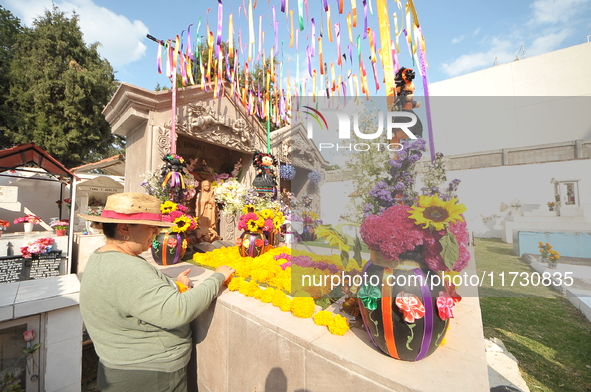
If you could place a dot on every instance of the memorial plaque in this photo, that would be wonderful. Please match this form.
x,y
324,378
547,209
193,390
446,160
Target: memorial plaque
x,y
47,265
11,269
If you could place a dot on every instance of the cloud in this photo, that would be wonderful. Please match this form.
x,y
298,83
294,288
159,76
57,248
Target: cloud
x,y
501,50
457,40
548,26
120,38
548,42
555,11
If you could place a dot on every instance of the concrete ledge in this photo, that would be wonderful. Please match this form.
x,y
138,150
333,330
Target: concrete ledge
x,y
245,345
21,299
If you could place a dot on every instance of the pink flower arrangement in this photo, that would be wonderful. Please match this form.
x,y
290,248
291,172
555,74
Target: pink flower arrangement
x,y
392,233
28,218
61,225
40,246
432,247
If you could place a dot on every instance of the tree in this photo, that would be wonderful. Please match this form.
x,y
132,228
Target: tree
x,y
10,27
58,88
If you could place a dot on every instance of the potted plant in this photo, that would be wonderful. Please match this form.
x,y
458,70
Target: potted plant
x,y
548,254
3,225
29,221
551,205
60,227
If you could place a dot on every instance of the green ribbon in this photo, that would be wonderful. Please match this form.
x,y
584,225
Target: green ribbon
x,y
369,296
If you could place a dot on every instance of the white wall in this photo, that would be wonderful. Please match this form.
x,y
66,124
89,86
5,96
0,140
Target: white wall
x,y
538,100
32,196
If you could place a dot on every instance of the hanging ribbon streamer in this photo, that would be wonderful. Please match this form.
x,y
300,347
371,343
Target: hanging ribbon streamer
x,y
328,24
423,65
220,22
301,14
159,58
291,34
354,12
189,47
337,30
276,30
313,40
250,31
231,35
349,28
364,19
283,6
341,6
385,38
325,2
260,51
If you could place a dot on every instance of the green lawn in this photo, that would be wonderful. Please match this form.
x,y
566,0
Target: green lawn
x,y
541,328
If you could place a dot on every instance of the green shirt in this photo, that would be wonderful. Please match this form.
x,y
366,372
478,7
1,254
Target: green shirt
x,y
135,315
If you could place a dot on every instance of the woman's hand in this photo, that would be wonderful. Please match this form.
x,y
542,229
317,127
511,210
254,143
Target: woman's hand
x,y
227,272
184,279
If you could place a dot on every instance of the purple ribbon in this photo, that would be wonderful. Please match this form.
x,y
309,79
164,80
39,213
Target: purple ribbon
x,y
428,303
220,22
423,65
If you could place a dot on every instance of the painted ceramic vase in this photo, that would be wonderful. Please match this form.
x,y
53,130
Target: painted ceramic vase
x,y
169,248
404,314
252,244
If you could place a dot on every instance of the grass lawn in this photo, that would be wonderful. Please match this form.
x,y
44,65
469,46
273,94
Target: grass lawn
x,y
540,327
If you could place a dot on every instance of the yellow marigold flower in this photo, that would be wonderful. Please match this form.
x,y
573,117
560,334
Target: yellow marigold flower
x,y
258,293
167,207
248,288
267,295
284,304
431,211
324,317
235,283
303,307
540,244
182,288
338,325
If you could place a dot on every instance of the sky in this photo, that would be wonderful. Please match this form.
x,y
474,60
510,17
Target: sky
x,y
460,36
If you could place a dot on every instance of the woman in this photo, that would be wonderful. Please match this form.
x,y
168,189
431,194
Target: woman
x,y
135,315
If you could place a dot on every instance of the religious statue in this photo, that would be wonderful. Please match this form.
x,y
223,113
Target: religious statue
x,y
266,179
207,212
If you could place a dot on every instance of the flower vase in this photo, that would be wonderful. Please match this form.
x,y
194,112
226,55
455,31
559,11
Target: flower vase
x,y
399,306
28,227
252,244
60,232
272,237
169,248
308,233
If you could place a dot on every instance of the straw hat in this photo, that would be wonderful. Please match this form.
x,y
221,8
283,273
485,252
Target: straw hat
x,y
135,208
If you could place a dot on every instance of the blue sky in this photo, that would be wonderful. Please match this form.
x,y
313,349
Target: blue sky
x,y
461,36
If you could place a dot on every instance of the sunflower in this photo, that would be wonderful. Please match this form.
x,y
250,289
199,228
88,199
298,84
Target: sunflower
x,y
182,224
248,208
433,212
252,225
267,214
167,207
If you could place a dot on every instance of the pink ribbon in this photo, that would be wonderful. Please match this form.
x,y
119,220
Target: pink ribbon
x,y
137,215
